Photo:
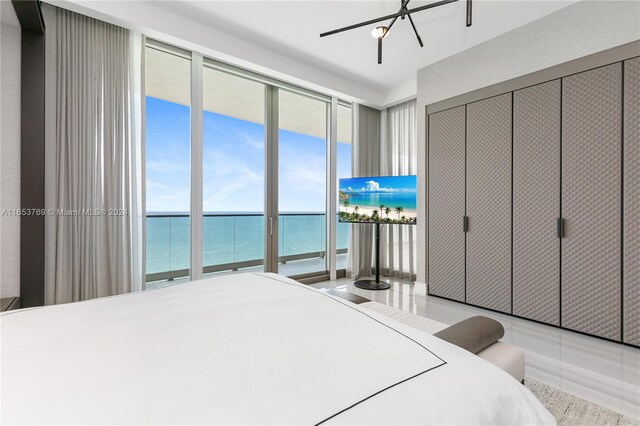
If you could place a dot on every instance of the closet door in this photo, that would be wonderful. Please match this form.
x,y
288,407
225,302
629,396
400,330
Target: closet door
x,y
591,201
631,244
536,202
489,203
446,203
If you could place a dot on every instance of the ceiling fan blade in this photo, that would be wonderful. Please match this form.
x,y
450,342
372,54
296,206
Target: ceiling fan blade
x,y
379,50
468,13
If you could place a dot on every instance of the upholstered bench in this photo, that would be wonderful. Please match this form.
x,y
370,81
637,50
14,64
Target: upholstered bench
x,y
507,357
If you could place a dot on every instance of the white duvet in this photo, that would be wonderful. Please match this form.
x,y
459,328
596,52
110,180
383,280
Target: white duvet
x,y
242,349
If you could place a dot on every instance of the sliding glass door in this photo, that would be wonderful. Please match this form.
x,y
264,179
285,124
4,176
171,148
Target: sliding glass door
x,y
233,160
302,184
237,171
168,173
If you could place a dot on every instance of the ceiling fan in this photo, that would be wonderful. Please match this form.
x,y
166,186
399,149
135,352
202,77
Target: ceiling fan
x,y
381,32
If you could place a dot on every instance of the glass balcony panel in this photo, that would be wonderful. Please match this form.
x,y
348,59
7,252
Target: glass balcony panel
x,y
249,238
180,243
234,242
218,240
158,245
303,234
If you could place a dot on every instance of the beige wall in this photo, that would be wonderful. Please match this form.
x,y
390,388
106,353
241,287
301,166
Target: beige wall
x,y
9,150
579,30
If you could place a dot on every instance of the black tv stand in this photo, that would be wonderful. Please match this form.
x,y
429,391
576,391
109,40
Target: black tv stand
x,y
377,284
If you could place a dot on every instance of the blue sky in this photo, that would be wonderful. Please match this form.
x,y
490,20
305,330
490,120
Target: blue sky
x,y
233,163
379,184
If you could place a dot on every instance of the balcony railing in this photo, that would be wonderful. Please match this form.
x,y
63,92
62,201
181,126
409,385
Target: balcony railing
x,y
233,241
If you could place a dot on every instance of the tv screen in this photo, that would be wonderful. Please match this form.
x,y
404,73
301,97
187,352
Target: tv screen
x,y
382,199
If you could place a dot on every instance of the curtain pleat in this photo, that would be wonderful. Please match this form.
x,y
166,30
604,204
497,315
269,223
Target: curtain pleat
x,y
97,248
365,162
398,148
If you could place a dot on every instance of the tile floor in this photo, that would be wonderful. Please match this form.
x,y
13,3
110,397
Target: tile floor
x,y
596,370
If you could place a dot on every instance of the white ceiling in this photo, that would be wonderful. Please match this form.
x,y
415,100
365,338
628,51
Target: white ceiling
x,y
292,28
281,38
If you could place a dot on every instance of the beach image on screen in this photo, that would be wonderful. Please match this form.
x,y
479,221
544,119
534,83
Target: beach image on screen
x,y
384,199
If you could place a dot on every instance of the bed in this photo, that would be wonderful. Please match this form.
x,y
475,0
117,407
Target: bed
x,y
242,349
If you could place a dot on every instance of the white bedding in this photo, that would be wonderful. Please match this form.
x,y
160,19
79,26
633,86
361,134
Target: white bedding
x,y
242,349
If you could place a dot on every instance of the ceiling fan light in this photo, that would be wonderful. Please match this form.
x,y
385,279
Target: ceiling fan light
x,y
379,32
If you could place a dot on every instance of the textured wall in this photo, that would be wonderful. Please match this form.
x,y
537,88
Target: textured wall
x,y
579,30
9,150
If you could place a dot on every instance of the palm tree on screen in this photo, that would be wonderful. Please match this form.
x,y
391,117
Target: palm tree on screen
x,y
398,211
387,210
346,203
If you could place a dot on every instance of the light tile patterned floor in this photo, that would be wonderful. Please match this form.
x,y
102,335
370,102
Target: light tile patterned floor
x,y
605,373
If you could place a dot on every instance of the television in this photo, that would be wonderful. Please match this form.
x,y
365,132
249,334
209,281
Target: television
x,y
380,199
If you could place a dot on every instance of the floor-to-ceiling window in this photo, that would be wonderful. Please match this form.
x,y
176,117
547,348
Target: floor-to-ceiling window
x,y
233,172
168,172
302,184
220,136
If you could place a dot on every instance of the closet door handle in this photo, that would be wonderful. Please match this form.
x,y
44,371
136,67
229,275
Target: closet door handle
x,y
560,227
465,223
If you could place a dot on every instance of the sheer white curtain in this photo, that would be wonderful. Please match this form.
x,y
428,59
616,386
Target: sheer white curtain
x,y
398,156
93,155
365,162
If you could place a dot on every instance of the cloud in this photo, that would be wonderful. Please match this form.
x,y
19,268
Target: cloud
x,y
303,172
232,182
166,197
372,185
252,142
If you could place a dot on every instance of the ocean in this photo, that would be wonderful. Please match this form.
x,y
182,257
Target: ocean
x,y
231,238
406,200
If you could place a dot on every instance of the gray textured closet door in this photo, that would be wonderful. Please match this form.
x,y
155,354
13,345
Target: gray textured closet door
x,y
446,203
631,245
489,203
591,201
536,202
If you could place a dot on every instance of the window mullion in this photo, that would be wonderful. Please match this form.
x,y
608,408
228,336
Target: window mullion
x,y
196,165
